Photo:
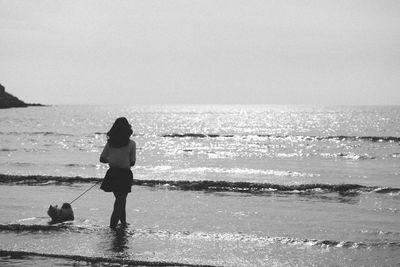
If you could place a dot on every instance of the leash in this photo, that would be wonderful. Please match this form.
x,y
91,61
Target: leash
x,y
84,192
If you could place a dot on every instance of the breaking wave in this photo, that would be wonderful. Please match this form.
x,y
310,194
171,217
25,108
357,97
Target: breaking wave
x,y
91,260
206,185
232,171
297,137
81,165
32,227
210,236
7,150
270,136
354,156
39,179
196,135
36,133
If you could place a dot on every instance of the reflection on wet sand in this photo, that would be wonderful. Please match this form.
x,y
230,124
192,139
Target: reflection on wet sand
x,y
115,243
119,242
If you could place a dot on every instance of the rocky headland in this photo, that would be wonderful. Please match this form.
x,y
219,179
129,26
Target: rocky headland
x,y
9,101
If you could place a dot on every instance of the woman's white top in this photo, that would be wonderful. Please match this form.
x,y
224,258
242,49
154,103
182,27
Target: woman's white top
x,y
120,157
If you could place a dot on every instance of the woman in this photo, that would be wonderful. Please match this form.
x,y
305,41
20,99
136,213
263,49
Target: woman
x,y
120,154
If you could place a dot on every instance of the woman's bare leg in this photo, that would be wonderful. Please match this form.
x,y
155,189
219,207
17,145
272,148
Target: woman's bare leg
x,y
119,213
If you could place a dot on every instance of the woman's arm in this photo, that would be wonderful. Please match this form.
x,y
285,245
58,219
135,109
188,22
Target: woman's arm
x,y
133,154
104,154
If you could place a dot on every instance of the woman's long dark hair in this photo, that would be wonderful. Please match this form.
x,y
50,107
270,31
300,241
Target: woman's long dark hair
x,y
118,135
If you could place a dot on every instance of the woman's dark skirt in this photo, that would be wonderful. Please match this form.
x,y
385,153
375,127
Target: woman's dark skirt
x,y
117,180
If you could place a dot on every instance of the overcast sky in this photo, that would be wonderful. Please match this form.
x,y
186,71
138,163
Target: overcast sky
x,y
201,51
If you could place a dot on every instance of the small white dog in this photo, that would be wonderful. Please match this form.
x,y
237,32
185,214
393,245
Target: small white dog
x,y
61,215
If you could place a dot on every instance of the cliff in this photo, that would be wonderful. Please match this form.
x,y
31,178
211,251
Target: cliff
x,y
9,101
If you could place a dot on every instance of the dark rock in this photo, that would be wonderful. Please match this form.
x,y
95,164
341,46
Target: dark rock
x,y
9,101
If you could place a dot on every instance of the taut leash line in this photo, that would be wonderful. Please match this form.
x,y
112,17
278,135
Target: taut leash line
x,y
84,192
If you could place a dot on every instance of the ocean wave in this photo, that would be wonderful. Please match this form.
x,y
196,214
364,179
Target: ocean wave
x,y
81,165
354,156
362,138
208,185
8,150
21,164
350,156
32,227
91,260
195,135
45,133
210,236
386,190
209,135
296,137
390,210
232,171
40,179
69,165
263,240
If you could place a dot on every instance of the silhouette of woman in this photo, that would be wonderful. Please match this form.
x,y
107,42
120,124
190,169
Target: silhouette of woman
x,y
120,154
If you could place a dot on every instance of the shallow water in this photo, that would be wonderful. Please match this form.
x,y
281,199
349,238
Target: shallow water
x,y
214,185
217,228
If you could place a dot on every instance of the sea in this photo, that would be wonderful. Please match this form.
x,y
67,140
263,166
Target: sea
x,y
214,185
